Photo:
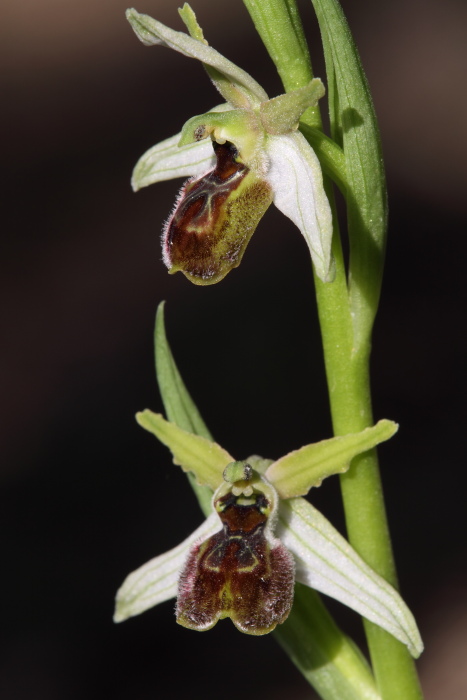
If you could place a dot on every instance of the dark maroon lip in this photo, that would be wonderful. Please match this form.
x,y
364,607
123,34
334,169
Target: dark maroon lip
x,y
237,572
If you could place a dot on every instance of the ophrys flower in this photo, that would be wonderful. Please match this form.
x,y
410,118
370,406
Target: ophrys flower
x,y
238,562
242,155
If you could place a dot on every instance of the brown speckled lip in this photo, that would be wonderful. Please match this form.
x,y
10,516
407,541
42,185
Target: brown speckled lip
x,y
237,573
214,219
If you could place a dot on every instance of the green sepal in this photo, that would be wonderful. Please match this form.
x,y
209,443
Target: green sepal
x,y
152,33
281,114
295,473
193,453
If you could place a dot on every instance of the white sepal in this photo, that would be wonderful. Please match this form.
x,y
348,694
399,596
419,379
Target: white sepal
x,y
326,561
152,32
166,160
296,178
157,580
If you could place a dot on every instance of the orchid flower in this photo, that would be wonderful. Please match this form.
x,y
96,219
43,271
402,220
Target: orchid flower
x,y
241,156
261,536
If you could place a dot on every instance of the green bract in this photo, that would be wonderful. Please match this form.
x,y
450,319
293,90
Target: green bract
x,y
264,159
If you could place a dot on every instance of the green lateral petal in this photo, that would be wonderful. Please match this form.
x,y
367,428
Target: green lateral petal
x,y
281,114
326,562
295,474
228,90
296,178
207,460
151,32
157,580
166,160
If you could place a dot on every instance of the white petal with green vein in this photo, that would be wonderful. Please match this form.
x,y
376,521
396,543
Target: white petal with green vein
x,y
157,580
296,178
166,160
326,561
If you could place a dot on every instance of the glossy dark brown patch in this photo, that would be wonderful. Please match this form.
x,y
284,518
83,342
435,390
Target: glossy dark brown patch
x,y
215,218
237,573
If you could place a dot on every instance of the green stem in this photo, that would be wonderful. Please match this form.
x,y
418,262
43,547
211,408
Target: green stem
x,y
279,25
350,399
347,371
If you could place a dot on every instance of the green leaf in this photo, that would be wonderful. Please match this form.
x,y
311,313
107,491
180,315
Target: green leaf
x,y
353,119
294,474
179,406
205,459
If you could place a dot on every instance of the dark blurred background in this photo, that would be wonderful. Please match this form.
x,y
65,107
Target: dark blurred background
x,y
86,495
